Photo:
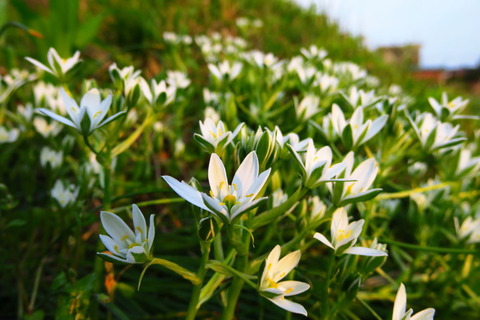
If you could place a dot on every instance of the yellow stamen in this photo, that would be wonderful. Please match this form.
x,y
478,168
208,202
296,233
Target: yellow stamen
x,y
133,244
116,248
211,194
139,229
97,114
124,237
289,290
249,195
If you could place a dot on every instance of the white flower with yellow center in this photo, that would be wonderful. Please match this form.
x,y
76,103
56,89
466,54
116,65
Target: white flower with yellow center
x,y
226,201
316,165
275,270
215,137
58,65
400,306
91,105
123,244
469,230
345,235
8,135
51,157
357,183
64,194
225,70
355,132
155,90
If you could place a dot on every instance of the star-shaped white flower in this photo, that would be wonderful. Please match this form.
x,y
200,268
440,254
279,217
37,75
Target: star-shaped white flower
x,y
345,235
91,105
123,244
275,270
226,201
58,65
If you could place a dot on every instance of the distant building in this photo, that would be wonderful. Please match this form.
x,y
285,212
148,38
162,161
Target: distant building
x,y
408,55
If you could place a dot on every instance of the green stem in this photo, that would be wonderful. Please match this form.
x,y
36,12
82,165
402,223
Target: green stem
x,y
237,284
192,307
429,249
325,307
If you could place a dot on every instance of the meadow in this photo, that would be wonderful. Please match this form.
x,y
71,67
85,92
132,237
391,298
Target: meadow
x,y
166,160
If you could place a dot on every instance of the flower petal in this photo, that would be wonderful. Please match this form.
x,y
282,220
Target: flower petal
x,y
139,224
289,305
57,117
39,64
320,237
292,287
362,251
426,314
116,227
217,176
247,173
151,232
187,192
400,304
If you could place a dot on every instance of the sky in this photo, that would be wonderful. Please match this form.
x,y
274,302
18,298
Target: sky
x,y
447,30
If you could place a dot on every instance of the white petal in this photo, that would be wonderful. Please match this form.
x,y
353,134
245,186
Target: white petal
x,y
362,251
257,184
339,222
292,287
426,314
139,223
215,207
376,126
323,239
91,101
289,305
217,176
111,245
55,116
151,232
285,265
400,304
116,227
39,64
247,173
187,192
236,210
72,108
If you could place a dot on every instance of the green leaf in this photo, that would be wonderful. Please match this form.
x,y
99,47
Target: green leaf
x,y
186,274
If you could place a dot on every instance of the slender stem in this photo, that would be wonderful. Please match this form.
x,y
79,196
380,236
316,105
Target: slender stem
x,y
429,249
192,307
324,294
237,284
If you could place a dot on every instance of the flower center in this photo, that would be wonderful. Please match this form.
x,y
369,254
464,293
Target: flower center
x,y
342,234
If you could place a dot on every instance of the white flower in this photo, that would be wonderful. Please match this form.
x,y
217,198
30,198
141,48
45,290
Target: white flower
x,y
306,73
91,105
308,107
46,129
314,52
124,245
225,70
400,307
124,73
467,165
226,201
26,111
7,136
345,235
316,165
58,65
215,137
434,134
317,208
447,108
275,270
177,79
153,91
355,132
326,83
470,229
64,194
357,183
51,157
